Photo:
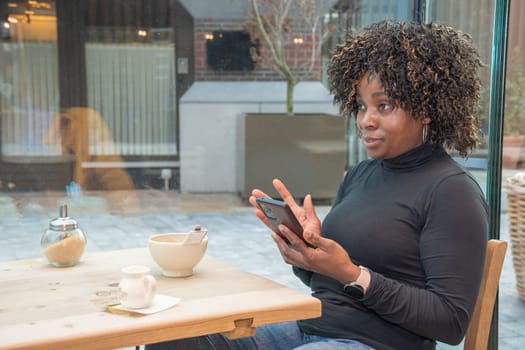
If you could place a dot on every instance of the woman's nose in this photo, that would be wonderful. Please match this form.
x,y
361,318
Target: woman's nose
x,y
367,119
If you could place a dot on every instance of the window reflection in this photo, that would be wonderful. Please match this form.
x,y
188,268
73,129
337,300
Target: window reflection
x,y
129,62
116,59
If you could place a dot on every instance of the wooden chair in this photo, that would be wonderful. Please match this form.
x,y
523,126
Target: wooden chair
x,y
477,336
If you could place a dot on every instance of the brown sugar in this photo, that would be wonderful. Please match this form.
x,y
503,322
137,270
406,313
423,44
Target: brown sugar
x,y
66,252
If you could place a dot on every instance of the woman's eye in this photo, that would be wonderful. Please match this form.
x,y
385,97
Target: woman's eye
x,y
384,107
361,107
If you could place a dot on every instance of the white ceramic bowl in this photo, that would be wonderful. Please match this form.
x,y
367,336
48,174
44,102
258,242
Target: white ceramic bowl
x,y
175,258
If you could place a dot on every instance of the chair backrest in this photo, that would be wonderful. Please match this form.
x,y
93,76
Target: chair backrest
x,y
477,336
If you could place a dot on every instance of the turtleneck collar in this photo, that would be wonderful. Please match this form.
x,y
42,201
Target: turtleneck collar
x,y
413,158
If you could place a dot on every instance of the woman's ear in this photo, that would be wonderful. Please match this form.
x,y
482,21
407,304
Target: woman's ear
x,y
426,121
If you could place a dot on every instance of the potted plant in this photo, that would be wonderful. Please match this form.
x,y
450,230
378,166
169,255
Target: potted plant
x,y
289,37
306,150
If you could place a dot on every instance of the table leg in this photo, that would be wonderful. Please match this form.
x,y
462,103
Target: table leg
x,y
243,328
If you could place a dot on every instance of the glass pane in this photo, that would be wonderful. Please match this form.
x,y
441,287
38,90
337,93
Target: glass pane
x,y
29,80
512,290
473,17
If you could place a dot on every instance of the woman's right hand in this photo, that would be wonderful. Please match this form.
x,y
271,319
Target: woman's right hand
x,y
286,197
310,223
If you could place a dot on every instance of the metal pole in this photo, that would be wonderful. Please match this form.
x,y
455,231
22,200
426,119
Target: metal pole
x,y
496,112
420,11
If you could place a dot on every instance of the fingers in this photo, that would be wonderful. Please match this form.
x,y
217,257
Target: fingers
x,y
283,191
255,194
258,212
258,193
297,242
289,254
253,201
308,205
287,197
310,215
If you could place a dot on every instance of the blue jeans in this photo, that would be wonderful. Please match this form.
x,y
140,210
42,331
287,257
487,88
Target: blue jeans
x,y
283,336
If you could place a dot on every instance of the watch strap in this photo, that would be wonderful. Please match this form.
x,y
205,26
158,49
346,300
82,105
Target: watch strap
x,y
363,280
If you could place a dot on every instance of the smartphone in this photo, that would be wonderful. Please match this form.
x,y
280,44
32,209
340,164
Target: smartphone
x,y
278,212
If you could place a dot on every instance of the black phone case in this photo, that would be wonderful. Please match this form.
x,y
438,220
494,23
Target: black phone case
x,y
278,212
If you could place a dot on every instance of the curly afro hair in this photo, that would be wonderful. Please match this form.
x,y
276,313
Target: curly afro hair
x,y
431,70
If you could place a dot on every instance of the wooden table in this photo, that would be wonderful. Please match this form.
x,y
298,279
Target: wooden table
x,y
44,307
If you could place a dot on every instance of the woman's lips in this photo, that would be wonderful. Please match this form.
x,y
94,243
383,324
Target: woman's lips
x,y
371,142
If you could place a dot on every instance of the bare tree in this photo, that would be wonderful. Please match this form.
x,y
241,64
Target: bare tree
x,y
290,36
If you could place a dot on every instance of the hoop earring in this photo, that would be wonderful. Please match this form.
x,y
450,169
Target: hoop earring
x,y
424,137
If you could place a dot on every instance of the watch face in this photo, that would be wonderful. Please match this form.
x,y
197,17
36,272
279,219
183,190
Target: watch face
x,y
354,290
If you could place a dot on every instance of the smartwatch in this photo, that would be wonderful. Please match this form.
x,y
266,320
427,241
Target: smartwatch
x,y
357,289
354,290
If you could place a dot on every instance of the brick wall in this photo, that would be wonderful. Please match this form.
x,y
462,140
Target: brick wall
x,y
299,58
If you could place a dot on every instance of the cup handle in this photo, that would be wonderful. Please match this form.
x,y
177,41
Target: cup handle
x,y
150,286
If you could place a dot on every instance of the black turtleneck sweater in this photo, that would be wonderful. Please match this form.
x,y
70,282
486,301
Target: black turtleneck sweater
x,y
419,223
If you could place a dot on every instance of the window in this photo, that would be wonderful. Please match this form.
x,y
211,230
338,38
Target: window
x,y
229,50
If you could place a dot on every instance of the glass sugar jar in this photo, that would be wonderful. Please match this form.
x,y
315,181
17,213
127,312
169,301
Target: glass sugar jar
x,y
63,242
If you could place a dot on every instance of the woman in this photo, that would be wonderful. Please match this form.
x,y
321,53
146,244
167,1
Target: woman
x,y
399,257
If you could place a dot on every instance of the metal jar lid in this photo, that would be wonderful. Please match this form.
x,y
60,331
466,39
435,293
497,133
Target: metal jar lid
x,y
63,222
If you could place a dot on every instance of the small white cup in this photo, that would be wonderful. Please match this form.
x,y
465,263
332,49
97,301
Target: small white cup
x,y
137,287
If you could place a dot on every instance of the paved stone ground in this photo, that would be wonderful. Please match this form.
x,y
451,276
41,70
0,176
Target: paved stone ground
x,y
120,220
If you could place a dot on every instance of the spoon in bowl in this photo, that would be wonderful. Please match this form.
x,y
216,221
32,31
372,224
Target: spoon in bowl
x,y
196,235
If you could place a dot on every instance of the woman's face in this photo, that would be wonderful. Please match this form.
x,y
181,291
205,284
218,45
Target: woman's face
x,y
387,130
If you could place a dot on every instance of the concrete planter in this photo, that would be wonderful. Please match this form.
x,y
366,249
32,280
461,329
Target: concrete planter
x,y
212,116
307,152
